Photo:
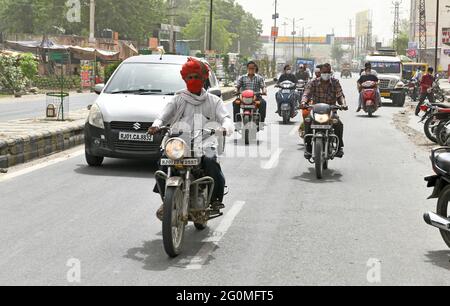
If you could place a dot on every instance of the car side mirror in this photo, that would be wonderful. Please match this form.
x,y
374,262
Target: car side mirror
x,y
215,91
99,88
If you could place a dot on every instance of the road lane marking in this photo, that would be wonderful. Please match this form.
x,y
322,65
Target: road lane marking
x,y
293,131
40,165
273,161
211,243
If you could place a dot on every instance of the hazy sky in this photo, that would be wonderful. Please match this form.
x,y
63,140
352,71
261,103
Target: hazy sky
x,y
324,15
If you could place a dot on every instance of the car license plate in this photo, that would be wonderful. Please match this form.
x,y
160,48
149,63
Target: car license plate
x,y
321,127
140,137
184,162
385,94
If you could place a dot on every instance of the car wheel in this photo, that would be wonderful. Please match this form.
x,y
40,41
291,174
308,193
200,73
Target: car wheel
x,y
94,161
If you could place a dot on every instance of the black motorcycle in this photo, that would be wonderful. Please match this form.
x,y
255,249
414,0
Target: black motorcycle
x,y
287,97
440,160
188,191
324,141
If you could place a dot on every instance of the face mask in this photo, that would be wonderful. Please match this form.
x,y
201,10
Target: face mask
x,y
194,86
288,71
326,76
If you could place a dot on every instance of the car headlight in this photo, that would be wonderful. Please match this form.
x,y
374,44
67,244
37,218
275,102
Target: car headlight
x,y
175,148
393,83
322,118
95,117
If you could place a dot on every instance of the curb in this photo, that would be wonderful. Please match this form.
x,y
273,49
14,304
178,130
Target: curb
x,y
23,149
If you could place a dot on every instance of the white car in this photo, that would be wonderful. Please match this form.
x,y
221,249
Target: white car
x,y
128,105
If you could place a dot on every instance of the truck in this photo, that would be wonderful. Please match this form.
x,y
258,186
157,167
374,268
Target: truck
x,y
389,69
311,63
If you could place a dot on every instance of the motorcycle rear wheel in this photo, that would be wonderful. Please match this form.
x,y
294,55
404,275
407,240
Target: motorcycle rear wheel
x,y
442,210
172,227
246,131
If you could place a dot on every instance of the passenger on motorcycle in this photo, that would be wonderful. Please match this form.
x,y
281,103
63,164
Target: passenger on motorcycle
x,y
252,81
193,108
367,75
325,90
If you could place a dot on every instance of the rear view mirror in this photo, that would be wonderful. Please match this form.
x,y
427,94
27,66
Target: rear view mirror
x,y
216,92
99,88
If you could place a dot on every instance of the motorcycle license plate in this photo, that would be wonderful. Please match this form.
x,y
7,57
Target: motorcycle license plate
x,y
248,106
286,91
321,127
140,137
184,162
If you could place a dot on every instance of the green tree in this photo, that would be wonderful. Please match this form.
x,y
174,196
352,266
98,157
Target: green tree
x,y
28,65
401,45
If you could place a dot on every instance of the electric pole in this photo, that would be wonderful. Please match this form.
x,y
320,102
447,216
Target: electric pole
x,y
436,63
92,22
275,17
172,21
396,23
210,25
422,31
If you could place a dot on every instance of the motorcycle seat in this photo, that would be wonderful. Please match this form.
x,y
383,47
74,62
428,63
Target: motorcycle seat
x,y
443,161
442,105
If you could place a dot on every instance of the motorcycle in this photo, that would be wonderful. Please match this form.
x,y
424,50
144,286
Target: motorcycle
x,y
188,191
301,86
413,89
324,141
439,94
369,91
440,160
346,73
435,117
288,98
249,117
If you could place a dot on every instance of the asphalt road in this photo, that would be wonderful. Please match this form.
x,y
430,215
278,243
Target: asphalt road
x,y
360,225
32,106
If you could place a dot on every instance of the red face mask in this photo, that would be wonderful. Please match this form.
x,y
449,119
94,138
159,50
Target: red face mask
x,y
194,86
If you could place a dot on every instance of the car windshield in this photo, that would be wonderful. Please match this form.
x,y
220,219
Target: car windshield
x,y
147,78
386,67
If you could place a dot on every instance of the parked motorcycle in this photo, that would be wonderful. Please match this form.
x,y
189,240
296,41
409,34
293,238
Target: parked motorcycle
x,y
324,141
288,98
369,94
439,94
188,191
413,89
435,116
440,160
249,117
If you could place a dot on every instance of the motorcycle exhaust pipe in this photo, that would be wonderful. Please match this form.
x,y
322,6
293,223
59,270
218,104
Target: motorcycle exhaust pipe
x,y
437,221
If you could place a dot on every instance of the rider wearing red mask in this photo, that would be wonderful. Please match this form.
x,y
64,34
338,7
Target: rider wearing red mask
x,y
192,109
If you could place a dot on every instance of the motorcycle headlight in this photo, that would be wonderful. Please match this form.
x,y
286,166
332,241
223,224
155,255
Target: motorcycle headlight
x,y
175,149
95,117
322,118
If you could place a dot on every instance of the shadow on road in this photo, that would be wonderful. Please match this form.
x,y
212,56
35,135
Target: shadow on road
x,y
120,168
328,176
152,255
439,258
367,116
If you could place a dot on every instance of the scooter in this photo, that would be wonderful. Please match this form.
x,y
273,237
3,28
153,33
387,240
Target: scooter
x,y
369,94
287,97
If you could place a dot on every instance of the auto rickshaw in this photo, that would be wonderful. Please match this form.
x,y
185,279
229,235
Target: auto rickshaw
x,y
409,69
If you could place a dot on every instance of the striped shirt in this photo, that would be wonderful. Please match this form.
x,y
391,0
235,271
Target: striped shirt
x,y
257,83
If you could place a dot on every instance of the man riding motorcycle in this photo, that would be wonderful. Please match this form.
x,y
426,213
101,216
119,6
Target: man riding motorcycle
x,y
325,90
367,75
302,74
191,109
252,81
287,76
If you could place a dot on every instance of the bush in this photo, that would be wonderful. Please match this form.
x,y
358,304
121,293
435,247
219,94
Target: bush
x,y
54,82
11,76
109,70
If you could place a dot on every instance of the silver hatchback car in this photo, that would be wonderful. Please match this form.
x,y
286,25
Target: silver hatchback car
x,y
128,105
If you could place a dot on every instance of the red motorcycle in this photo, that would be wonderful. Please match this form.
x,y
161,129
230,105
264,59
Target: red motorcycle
x,y
249,117
369,94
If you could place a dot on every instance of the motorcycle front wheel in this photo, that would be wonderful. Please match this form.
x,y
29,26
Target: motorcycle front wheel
x,y
173,226
429,128
442,210
318,158
286,117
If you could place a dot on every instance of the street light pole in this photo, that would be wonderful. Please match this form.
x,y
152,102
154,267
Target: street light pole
x,y
92,22
437,38
210,24
275,38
